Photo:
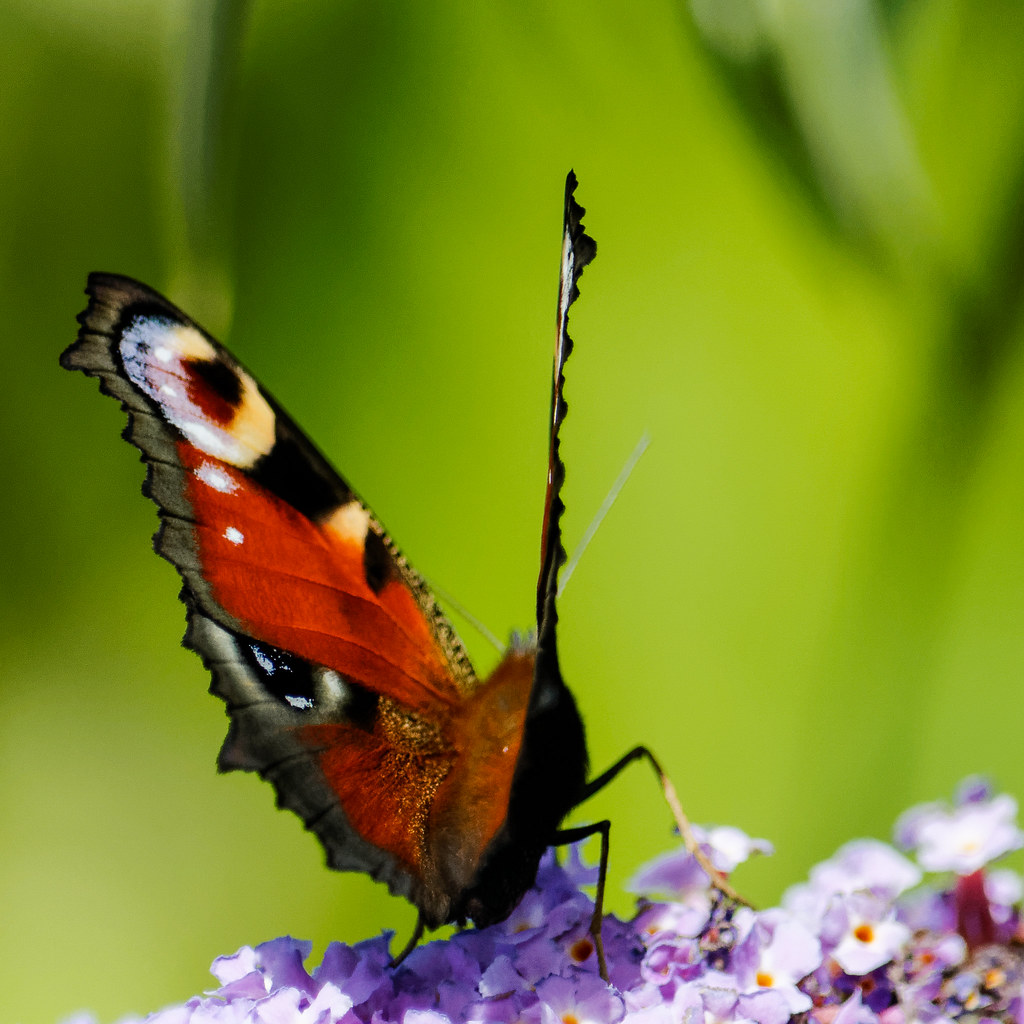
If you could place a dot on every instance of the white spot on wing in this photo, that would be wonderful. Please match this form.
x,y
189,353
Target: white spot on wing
x,y
302,703
334,686
262,660
233,535
216,478
350,522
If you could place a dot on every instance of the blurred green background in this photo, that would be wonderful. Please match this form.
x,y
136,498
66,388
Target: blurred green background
x,y
809,597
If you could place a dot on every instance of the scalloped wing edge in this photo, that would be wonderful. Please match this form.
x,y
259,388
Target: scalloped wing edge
x,y
257,745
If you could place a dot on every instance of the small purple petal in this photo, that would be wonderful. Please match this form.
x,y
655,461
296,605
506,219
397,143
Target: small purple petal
x,y
252,986
853,1011
768,1006
1003,887
282,961
660,1013
360,971
330,1004
500,978
670,874
280,1007
719,993
729,847
231,968
975,789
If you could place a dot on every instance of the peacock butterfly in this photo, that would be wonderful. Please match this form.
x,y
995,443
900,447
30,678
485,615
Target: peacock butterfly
x,y
345,684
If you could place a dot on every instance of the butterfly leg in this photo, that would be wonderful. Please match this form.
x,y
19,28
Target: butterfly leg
x,y
718,880
574,835
413,942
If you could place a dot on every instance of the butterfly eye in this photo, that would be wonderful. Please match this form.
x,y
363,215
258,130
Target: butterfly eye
x,y
198,388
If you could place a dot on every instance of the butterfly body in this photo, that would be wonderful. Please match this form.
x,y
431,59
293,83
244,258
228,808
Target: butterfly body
x,y
346,686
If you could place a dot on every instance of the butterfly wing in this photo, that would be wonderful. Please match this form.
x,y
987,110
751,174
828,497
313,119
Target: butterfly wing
x,y
316,630
551,769
578,249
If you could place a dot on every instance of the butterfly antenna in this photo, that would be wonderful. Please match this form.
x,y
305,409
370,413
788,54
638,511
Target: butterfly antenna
x,y
465,613
588,536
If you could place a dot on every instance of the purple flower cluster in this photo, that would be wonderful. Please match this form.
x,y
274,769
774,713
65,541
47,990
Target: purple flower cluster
x,y
863,941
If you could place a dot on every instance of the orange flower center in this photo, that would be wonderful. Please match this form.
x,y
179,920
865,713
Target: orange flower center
x,y
580,950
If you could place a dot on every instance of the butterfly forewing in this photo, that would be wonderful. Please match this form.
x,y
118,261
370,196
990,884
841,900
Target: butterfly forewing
x,y
267,536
